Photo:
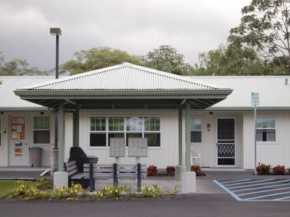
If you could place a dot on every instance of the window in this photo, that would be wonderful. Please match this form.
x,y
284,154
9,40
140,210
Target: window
x,y
98,135
116,128
196,131
265,130
152,131
102,129
41,132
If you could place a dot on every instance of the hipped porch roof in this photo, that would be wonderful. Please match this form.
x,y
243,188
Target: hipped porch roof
x,y
124,85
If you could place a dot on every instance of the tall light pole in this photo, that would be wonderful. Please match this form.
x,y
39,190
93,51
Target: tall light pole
x,y
55,31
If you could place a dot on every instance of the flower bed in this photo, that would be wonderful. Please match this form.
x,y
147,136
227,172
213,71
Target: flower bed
x,y
265,169
37,191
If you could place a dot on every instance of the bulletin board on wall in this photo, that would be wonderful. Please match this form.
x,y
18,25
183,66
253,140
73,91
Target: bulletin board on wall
x,y
17,134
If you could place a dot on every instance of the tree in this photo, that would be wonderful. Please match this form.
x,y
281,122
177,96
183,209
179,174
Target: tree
x,y
232,60
96,58
17,67
166,58
265,27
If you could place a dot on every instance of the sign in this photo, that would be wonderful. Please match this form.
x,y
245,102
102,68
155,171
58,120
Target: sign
x,y
255,99
137,147
117,147
17,128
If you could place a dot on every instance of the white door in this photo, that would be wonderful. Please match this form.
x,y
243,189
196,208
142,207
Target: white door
x,y
226,142
17,141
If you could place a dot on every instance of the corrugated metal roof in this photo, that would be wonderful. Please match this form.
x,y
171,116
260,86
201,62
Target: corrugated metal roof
x,y
124,77
274,91
9,101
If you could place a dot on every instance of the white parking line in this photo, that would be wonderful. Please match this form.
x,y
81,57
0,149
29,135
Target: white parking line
x,y
282,198
263,191
267,195
234,181
261,183
251,182
263,187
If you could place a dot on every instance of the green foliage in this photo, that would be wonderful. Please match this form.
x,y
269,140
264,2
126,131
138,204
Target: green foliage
x,y
151,191
44,184
232,60
17,67
96,58
265,27
34,191
111,192
166,58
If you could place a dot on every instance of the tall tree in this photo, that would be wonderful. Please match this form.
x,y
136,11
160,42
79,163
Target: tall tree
x,y
232,60
166,58
18,67
95,58
265,27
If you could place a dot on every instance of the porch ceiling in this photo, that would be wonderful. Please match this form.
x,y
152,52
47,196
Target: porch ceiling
x,y
69,103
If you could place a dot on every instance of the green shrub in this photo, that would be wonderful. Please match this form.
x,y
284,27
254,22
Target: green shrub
x,y
263,169
152,191
111,192
68,193
44,184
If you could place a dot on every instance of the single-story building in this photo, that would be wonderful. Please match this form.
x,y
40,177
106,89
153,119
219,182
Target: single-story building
x,y
207,119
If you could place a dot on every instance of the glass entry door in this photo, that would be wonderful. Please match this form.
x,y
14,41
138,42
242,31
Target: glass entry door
x,y
226,142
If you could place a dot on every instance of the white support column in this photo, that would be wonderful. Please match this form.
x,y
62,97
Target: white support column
x,y
60,177
60,138
188,136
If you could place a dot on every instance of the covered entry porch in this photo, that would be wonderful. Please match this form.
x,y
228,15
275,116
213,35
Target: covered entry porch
x,y
124,87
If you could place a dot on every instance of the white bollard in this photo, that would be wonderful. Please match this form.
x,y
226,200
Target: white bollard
x,y
60,179
188,182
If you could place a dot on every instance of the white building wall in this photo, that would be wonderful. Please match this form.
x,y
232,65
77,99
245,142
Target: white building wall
x,y
6,149
165,155
207,149
272,153
68,134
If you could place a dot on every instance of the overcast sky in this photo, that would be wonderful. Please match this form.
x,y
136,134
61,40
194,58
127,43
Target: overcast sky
x,y
137,26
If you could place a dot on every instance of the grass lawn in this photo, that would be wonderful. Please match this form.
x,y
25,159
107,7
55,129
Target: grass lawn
x,y
6,187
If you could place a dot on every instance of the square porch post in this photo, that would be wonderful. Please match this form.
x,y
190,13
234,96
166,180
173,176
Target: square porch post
x,y
60,177
60,138
188,123
76,117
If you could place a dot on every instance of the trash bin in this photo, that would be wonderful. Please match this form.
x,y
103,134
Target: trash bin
x,y
35,156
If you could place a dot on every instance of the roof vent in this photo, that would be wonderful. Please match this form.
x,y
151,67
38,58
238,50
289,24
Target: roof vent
x,y
286,81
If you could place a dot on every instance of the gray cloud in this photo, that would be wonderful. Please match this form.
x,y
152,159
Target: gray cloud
x,y
133,25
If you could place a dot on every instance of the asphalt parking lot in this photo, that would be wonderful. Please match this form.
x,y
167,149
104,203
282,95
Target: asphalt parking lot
x,y
271,189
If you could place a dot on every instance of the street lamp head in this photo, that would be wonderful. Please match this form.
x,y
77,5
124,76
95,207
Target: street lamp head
x,y
55,31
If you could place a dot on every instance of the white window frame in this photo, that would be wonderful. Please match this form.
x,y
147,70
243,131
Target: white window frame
x,y
107,131
195,130
267,128
35,129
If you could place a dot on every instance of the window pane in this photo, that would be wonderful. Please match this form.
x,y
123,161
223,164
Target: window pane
x,y
196,124
41,136
98,124
152,124
98,139
265,135
115,135
41,122
134,124
265,123
116,124
153,139
133,135
195,136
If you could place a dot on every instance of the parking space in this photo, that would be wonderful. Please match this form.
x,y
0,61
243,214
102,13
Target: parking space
x,y
257,189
